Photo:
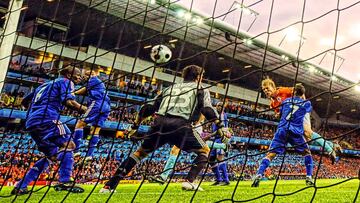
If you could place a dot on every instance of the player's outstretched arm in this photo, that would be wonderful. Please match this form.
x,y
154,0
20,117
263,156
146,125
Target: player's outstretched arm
x,y
81,91
75,105
148,109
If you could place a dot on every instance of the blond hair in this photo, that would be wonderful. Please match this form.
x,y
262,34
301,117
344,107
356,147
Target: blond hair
x,y
268,82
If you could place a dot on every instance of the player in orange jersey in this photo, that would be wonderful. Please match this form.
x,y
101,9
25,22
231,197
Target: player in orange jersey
x,y
277,95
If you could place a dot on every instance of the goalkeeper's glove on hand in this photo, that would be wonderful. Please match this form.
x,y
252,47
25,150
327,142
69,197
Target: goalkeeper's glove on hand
x,y
131,132
223,132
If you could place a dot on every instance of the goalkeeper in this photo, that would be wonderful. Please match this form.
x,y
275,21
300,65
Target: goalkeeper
x,y
175,151
176,108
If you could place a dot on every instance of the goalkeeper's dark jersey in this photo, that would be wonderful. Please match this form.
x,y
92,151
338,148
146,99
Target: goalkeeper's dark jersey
x,y
187,100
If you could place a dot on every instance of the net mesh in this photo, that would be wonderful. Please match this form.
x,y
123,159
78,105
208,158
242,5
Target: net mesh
x,y
43,37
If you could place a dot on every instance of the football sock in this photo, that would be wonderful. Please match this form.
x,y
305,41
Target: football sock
x,y
168,167
216,170
215,145
33,173
92,144
309,165
198,164
66,165
263,166
122,171
223,168
78,135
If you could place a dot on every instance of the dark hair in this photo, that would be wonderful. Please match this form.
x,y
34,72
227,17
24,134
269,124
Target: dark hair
x,y
299,89
68,70
191,72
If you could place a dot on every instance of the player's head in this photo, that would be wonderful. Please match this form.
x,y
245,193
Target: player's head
x,y
219,106
91,72
299,90
192,73
94,71
72,73
268,87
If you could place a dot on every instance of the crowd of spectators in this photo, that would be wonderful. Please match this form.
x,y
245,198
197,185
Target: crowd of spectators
x,y
137,88
347,140
240,128
11,100
249,110
38,70
14,166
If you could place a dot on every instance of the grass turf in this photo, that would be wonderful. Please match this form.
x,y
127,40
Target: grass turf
x,y
150,192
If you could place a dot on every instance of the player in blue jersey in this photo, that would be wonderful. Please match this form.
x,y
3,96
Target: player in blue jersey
x,y
98,111
290,130
218,166
52,137
277,95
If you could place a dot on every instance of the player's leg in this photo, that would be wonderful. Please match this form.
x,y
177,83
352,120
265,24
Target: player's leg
x,y
168,168
94,140
37,133
170,163
192,142
265,163
318,140
309,165
151,142
65,156
223,167
277,146
215,145
214,162
33,174
78,135
299,142
96,117
215,167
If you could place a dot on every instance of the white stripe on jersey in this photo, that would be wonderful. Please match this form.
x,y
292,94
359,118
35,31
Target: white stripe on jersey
x,y
89,109
60,127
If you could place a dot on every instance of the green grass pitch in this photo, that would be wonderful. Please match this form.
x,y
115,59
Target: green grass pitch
x,y
150,192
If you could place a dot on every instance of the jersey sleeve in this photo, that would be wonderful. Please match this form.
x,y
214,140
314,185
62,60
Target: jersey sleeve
x,y
308,106
205,105
151,106
93,82
66,90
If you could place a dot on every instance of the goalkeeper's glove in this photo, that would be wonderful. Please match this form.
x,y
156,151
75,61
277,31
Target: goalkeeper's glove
x,y
131,132
224,133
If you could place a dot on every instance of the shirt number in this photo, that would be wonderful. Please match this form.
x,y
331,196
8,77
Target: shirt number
x,y
179,97
39,94
294,109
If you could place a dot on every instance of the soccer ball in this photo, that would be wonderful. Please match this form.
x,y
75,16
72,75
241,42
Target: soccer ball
x,y
160,54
